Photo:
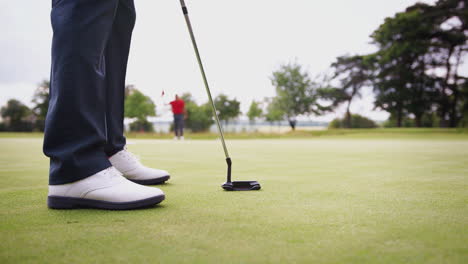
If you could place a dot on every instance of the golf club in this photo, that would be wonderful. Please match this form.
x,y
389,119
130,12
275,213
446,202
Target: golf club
x,y
228,185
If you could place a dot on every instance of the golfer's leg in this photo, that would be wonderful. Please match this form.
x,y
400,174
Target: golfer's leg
x,y
116,61
182,121
75,131
81,174
176,126
179,127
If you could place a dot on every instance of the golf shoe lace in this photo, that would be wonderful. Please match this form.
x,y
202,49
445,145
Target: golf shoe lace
x,y
112,173
130,156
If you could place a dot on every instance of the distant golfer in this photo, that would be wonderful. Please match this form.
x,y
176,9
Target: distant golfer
x,y
178,109
89,164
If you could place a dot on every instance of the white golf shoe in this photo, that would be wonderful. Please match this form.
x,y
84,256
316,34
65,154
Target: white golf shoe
x,y
107,189
130,166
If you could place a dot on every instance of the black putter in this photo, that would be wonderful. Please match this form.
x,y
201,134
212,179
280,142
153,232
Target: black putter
x,y
228,185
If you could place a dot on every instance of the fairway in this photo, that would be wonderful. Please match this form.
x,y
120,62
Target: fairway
x,y
323,200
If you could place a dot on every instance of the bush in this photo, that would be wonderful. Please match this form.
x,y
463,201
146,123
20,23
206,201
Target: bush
x,y
427,120
19,126
391,122
464,121
357,121
199,118
17,116
141,126
39,125
430,120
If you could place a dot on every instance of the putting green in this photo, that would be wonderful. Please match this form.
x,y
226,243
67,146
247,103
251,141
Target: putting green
x,y
325,200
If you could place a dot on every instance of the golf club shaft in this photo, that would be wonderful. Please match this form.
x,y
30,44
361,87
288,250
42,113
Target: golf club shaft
x,y
197,53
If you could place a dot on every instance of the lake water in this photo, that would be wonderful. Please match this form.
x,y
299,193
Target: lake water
x,y
245,126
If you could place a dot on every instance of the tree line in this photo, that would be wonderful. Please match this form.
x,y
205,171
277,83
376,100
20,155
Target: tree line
x,y
414,75
415,72
138,107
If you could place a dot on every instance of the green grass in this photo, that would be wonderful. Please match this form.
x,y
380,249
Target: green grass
x,y
401,133
339,199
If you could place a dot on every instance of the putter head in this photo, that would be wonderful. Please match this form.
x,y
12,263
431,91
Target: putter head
x,y
241,186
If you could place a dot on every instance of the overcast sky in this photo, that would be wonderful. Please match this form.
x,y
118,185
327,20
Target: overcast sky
x,y
241,43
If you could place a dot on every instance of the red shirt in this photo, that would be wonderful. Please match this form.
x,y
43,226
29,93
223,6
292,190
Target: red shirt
x,y
178,106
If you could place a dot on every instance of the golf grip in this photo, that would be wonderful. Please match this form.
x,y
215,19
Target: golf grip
x,y
197,53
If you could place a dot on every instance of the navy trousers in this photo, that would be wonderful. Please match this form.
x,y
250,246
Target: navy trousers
x,y
84,124
179,125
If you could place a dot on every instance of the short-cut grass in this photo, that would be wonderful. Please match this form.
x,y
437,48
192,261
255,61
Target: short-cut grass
x,y
338,199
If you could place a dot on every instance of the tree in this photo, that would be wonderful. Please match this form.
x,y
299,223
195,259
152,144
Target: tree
x,y
417,64
400,82
273,112
199,118
429,119
353,72
255,111
227,109
41,103
129,89
139,106
464,120
188,98
16,114
449,47
296,93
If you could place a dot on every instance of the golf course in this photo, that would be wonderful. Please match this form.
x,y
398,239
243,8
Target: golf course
x,y
389,196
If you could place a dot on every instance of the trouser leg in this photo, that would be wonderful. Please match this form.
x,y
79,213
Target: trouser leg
x,y
176,126
179,125
117,51
75,132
